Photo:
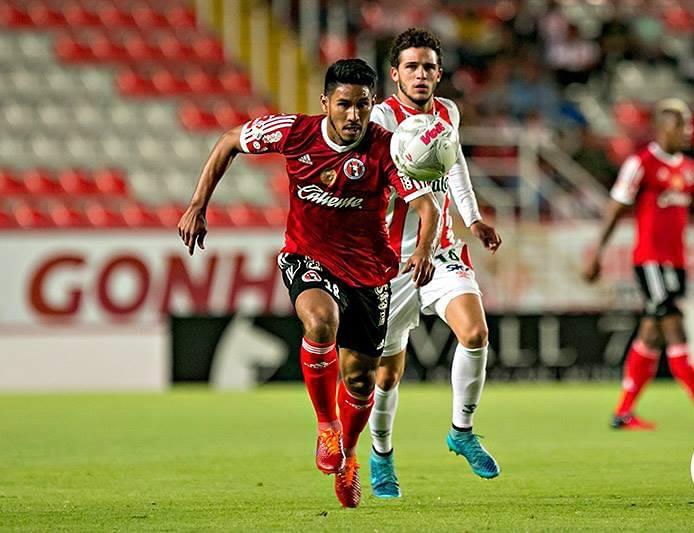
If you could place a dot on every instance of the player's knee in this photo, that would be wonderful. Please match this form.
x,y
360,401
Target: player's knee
x,y
651,338
360,382
475,336
388,378
321,325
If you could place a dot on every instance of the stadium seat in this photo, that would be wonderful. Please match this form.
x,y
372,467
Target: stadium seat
x,y
103,216
65,216
10,184
7,219
194,118
77,182
170,214
217,216
110,182
42,182
31,216
12,17
139,215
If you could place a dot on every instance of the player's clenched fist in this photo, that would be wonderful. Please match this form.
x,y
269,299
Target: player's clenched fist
x,y
192,228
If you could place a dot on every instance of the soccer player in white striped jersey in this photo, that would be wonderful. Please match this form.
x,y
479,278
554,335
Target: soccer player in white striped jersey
x,y
453,294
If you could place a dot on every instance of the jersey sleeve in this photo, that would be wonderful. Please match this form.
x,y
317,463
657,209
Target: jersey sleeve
x,y
628,181
381,116
266,134
407,188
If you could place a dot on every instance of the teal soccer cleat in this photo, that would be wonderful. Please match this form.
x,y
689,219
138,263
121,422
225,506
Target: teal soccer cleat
x,y
467,444
384,482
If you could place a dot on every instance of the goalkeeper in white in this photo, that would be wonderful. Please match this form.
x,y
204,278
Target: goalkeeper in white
x,y
453,294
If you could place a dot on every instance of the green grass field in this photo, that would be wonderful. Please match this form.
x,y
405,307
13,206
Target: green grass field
x,y
195,460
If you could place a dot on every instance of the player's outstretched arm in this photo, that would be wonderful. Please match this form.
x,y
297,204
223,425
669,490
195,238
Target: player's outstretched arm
x,y
460,187
192,227
613,213
421,262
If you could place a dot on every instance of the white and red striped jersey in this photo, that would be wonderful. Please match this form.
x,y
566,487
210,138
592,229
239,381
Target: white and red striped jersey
x,y
403,222
660,186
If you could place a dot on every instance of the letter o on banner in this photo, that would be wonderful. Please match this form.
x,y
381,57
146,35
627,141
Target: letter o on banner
x,y
137,270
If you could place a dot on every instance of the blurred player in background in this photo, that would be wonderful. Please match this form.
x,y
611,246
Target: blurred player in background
x,y
336,262
453,294
658,181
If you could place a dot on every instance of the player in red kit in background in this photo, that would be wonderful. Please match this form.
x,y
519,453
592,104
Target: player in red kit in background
x,y
658,181
337,261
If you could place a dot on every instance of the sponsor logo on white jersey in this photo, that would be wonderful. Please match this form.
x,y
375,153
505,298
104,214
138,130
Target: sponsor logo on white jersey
x,y
316,195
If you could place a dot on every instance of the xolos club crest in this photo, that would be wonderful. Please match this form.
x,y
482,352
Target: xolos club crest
x,y
354,168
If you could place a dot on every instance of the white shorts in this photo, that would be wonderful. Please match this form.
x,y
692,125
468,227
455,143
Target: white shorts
x,y
452,277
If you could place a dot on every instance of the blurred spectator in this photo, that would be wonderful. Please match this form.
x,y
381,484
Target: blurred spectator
x,y
573,58
532,94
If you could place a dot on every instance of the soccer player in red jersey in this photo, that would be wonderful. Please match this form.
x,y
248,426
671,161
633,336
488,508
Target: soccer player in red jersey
x,y
337,261
658,181
453,294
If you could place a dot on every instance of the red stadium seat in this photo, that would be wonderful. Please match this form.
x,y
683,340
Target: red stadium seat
x,y
217,216
70,50
132,83
195,118
169,84
110,182
170,214
44,16
139,215
13,17
208,49
275,216
202,82
112,17
228,117
77,182
103,216
146,17
181,17
7,219
243,215
78,16
173,49
42,183
105,49
139,49
64,216
10,184
236,82
29,216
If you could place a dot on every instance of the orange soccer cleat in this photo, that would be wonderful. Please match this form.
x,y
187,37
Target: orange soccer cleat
x,y
631,422
347,485
330,456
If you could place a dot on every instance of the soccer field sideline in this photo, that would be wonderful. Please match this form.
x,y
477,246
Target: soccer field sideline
x,y
194,459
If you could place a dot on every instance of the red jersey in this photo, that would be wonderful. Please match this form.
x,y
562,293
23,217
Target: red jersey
x,y
660,185
338,194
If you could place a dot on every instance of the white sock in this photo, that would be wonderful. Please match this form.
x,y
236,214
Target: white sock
x,y
467,379
382,418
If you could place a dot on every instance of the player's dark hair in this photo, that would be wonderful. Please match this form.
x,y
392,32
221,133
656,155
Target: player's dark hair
x,y
351,72
414,38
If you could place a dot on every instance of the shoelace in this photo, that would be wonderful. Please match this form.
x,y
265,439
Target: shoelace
x,y
386,478
478,453
350,470
331,440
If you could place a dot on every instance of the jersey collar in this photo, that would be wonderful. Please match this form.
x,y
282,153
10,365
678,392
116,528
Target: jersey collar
x,y
413,110
339,148
670,159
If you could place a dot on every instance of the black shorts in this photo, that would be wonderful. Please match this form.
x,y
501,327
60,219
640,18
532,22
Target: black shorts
x,y
363,311
661,286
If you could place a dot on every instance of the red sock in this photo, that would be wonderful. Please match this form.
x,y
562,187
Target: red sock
x,y
354,415
640,366
682,371
320,369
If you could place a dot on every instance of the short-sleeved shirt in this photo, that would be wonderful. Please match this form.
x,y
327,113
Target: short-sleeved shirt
x,y
660,186
338,194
